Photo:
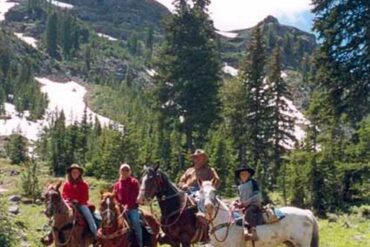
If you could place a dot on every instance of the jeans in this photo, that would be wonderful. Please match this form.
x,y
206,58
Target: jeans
x,y
89,218
134,217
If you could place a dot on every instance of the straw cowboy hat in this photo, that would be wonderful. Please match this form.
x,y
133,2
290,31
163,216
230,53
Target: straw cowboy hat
x,y
75,166
242,169
199,152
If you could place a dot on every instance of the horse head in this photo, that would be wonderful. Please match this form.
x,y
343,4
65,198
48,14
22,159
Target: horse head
x,y
208,198
151,185
109,209
53,201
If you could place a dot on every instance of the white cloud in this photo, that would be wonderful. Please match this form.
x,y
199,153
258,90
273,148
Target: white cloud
x,y
237,14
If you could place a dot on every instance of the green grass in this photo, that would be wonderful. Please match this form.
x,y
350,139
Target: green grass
x,y
348,231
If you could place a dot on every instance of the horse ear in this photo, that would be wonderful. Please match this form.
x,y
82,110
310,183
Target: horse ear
x,y
200,182
101,194
58,185
214,182
156,167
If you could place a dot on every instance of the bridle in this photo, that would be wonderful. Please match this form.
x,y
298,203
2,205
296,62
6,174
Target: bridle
x,y
59,210
111,213
217,202
163,198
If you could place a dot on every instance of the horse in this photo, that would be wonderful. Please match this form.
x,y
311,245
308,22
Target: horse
x,y
178,211
66,229
115,230
297,229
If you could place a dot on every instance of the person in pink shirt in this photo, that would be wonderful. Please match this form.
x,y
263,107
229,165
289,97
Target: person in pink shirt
x,y
126,190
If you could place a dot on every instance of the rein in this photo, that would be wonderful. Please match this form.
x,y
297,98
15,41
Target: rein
x,y
118,232
222,225
66,227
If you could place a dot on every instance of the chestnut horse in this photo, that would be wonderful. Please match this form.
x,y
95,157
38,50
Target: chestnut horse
x,y
178,211
115,230
66,230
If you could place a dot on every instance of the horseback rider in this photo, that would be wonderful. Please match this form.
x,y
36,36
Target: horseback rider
x,y
126,190
199,171
250,200
76,191
189,181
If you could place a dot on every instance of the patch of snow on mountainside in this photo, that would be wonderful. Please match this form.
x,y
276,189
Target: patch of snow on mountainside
x,y
107,37
14,122
62,5
4,7
226,34
68,97
29,40
227,69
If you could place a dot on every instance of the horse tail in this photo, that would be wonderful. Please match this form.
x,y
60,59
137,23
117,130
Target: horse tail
x,y
315,233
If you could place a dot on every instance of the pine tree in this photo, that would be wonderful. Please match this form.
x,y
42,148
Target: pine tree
x,y
344,30
16,149
233,95
189,71
282,120
52,35
57,158
66,36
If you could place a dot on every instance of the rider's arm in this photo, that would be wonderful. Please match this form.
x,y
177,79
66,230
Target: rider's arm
x,y
216,179
66,192
183,180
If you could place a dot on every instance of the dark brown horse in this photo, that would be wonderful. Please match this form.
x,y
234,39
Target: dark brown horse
x,y
67,230
178,220
115,230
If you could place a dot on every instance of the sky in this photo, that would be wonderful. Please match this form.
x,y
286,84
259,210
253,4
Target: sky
x,y
238,14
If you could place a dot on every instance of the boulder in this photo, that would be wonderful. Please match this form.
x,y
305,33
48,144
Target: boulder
x,y
14,209
14,198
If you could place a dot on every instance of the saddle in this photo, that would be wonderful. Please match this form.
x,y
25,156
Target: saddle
x,y
267,215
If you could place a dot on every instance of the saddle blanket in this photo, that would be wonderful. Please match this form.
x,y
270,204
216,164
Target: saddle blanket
x,y
238,216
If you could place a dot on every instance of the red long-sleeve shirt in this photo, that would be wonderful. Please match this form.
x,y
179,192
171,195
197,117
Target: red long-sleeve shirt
x,y
78,191
126,192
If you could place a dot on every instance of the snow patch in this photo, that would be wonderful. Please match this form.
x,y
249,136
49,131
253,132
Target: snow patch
x,y
61,4
230,70
5,6
151,72
15,122
29,40
107,37
227,34
68,97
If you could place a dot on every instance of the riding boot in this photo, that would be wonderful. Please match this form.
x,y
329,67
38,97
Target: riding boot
x,y
251,234
48,239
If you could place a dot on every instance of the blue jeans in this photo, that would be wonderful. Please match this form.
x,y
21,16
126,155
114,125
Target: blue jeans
x,y
89,218
133,215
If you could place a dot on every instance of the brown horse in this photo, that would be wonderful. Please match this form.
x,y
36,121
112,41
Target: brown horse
x,y
115,230
178,220
66,229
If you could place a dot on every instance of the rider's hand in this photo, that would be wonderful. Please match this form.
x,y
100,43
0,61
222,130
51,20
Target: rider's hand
x,y
75,201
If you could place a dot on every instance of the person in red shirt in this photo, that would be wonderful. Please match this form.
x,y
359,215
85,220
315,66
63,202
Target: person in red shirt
x,y
76,191
126,190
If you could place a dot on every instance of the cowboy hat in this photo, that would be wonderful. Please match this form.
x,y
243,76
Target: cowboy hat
x,y
75,166
244,168
199,152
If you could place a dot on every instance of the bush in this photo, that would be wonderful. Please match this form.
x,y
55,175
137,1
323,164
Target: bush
x,y
30,181
7,234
